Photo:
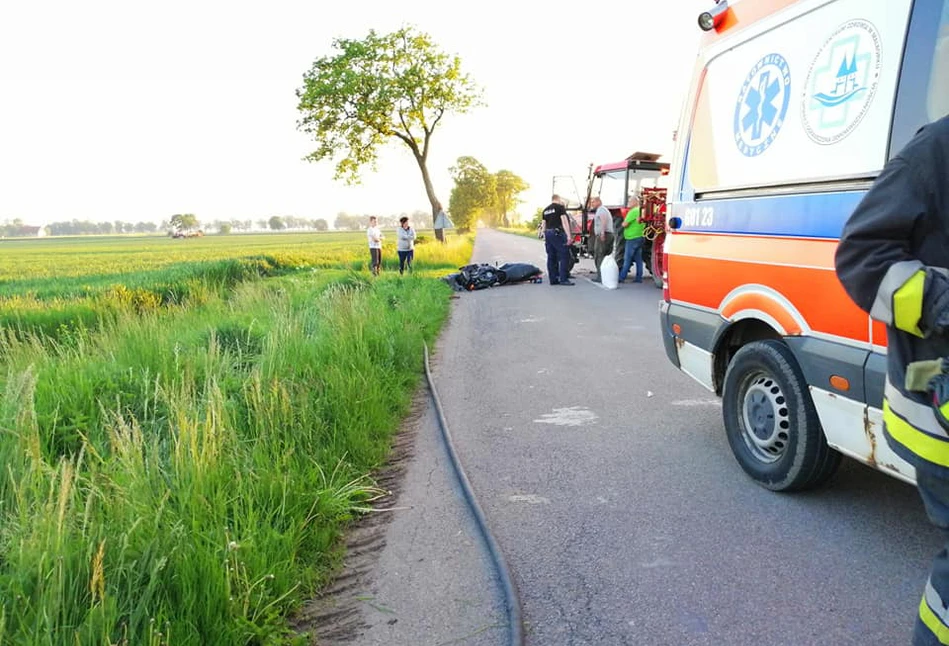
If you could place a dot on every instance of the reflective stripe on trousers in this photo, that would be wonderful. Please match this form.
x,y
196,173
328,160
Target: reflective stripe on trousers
x,y
932,627
913,424
932,621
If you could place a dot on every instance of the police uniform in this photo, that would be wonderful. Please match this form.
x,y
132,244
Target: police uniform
x,y
893,260
555,239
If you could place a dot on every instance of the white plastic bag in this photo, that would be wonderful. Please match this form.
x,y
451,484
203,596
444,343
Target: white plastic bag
x,y
609,272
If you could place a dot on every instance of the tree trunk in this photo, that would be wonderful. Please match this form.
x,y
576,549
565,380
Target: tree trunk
x,y
429,189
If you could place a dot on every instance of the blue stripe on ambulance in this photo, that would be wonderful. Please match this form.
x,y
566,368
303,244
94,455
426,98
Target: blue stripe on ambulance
x,y
814,215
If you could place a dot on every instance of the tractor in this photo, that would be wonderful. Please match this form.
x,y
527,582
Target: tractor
x,y
640,174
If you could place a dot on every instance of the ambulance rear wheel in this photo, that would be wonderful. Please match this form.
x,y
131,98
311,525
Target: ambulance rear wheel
x,y
770,420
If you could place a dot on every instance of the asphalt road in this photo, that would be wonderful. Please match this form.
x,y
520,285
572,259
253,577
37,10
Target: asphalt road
x,y
611,489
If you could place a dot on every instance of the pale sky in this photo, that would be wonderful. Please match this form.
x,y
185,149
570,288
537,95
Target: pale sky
x,y
125,110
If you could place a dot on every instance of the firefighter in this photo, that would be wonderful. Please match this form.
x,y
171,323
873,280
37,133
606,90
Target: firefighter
x,y
892,260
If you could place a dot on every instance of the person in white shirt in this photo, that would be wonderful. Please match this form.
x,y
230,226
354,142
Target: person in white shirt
x,y
603,232
375,245
406,244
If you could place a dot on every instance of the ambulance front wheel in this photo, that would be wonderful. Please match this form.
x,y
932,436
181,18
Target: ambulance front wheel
x,y
770,420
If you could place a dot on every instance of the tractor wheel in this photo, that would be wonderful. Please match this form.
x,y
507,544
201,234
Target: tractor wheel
x,y
655,262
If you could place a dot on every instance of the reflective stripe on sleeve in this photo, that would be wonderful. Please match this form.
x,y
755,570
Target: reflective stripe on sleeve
x,y
899,300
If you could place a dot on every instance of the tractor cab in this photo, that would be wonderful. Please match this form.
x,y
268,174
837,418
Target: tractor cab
x,y
615,183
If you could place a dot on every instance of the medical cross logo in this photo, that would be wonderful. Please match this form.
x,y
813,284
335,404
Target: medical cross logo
x,y
762,105
841,82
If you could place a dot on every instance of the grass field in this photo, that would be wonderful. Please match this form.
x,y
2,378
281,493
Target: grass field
x,y
526,231
49,285
186,425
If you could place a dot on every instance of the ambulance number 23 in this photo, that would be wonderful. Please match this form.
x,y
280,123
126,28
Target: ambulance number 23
x,y
699,216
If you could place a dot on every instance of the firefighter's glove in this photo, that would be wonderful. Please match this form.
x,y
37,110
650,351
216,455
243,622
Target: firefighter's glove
x,y
931,377
935,318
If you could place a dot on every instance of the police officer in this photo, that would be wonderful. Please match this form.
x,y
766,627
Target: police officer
x,y
893,260
556,225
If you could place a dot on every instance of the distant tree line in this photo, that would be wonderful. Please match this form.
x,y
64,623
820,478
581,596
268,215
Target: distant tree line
x,y
351,222
17,229
479,194
189,222
291,222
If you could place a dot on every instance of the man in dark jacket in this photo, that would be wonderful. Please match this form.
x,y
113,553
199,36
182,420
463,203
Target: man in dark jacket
x,y
893,260
556,227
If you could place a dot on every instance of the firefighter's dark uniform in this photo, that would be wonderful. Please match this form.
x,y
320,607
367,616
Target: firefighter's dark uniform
x,y
892,260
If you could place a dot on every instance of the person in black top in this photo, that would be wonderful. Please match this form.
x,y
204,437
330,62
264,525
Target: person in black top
x,y
556,228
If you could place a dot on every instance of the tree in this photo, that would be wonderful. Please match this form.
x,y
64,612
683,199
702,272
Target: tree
x,y
383,87
538,216
346,221
320,224
509,186
475,192
184,221
224,228
276,223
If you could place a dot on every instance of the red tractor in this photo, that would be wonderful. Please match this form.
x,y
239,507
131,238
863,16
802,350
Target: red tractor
x,y
640,174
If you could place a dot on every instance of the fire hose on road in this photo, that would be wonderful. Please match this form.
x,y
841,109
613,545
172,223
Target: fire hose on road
x,y
512,602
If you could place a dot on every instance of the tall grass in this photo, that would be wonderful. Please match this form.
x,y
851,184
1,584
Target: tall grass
x,y
179,475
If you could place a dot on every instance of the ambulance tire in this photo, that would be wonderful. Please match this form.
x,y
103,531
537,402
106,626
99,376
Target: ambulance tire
x,y
771,422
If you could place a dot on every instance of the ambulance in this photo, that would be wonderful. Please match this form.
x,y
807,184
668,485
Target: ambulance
x,y
793,109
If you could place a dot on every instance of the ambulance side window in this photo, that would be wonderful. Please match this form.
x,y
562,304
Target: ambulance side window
x,y
924,76
937,100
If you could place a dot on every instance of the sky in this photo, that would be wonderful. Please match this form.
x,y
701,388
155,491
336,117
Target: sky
x,y
134,111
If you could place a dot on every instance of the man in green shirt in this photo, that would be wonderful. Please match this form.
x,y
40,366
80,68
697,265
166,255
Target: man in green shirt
x,y
633,231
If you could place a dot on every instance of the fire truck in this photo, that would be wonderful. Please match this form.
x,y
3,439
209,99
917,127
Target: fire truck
x,y
640,174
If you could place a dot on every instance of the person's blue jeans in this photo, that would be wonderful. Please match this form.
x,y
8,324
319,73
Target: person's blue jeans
x,y
634,251
558,262
405,259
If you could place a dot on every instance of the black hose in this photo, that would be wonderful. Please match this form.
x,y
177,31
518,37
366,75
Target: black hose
x,y
512,601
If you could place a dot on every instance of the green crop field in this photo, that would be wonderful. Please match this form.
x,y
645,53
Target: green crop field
x,y
186,425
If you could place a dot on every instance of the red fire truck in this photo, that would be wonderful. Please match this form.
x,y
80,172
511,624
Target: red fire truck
x,y
640,174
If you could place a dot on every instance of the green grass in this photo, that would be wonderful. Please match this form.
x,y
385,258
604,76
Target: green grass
x,y
525,231
25,262
50,286
179,473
